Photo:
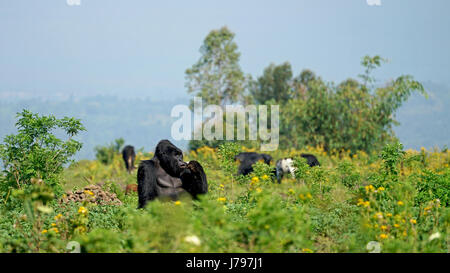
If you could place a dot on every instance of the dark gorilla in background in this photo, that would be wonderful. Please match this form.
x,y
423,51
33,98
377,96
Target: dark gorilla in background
x,y
129,155
311,160
247,159
166,175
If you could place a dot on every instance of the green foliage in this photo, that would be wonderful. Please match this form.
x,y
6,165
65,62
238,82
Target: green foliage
x,y
274,84
217,77
392,154
35,151
105,154
432,186
351,116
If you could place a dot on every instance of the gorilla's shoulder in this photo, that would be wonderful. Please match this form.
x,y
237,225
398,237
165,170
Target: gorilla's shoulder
x,y
147,163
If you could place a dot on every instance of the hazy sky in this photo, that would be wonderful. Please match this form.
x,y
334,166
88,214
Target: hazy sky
x,y
142,48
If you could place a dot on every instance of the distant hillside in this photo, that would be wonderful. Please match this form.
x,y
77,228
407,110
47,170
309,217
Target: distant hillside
x,y
425,122
143,122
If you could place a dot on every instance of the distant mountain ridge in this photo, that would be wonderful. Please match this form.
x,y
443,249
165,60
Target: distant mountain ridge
x,y
143,122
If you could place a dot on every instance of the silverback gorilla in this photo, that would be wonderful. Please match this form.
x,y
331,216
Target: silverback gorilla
x,y
129,156
247,159
166,175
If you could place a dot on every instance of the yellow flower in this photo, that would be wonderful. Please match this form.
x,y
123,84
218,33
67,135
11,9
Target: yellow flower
x,y
383,236
378,215
308,195
222,199
291,191
404,233
400,203
380,189
307,250
177,203
82,210
383,227
366,204
258,189
44,231
265,177
55,230
413,221
221,185
396,225
369,188
53,225
89,192
255,179
58,216
388,214
302,196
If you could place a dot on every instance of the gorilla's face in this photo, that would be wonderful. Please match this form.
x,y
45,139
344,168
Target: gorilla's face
x,y
170,158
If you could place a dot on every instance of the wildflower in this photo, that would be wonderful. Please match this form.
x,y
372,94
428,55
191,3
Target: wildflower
x,y
405,233
388,214
265,177
57,217
222,186
380,189
383,227
307,250
192,240
258,189
255,179
433,236
291,191
89,192
82,210
369,188
222,199
308,195
177,203
44,231
366,204
413,221
55,230
383,236
53,225
396,225
378,215
400,203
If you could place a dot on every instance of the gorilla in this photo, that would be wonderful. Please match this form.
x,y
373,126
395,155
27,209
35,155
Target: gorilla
x,y
286,165
247,159
129,155
167,176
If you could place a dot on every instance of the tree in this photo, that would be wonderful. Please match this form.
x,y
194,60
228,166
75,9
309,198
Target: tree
x,y
217,77
350,116
275,84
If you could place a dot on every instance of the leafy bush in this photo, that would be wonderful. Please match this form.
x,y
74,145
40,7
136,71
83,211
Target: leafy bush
x,y
105,154
35,151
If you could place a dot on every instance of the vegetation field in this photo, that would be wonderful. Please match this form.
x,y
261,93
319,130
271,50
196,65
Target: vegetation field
x,y
398,199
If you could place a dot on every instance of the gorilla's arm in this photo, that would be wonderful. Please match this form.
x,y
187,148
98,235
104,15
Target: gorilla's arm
x,y
146,177
194,179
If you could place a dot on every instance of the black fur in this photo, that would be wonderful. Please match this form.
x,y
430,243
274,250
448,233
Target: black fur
x,y
311,159
167,175
247,159
129,156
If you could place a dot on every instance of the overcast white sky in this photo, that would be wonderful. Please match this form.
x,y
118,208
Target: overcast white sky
x,y
142,48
